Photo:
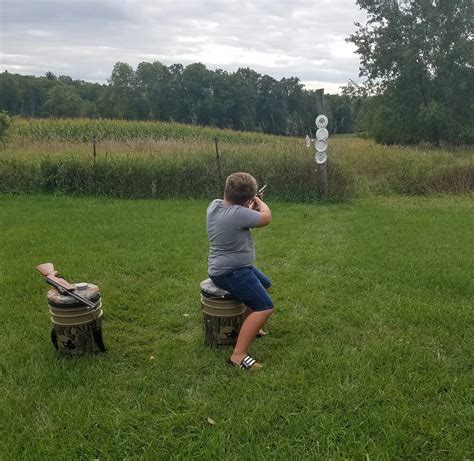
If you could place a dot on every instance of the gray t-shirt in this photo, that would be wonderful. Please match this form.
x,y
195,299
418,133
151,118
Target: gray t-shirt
x,y
229,236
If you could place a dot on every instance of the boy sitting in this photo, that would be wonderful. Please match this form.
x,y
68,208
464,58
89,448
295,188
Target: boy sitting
x,y
232,254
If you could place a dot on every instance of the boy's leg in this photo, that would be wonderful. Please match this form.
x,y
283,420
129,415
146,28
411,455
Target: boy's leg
x,y
247,287
261,332
266,282
252,324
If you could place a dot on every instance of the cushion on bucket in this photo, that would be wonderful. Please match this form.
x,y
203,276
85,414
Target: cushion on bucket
x,y
210,290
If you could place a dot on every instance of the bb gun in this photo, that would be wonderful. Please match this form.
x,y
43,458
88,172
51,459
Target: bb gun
x,y
63,286
261,191
259,194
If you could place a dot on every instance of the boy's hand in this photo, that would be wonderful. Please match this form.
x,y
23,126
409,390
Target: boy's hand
x,y
265,212
254,205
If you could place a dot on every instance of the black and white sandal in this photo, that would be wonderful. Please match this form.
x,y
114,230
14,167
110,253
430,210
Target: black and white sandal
x,y
248,363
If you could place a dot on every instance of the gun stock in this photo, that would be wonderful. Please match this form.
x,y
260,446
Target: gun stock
x,y
46,269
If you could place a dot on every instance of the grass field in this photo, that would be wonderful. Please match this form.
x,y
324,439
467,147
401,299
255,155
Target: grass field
x,y
369,354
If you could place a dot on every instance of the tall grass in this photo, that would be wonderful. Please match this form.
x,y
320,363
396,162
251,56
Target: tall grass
x,y
164,178
148,167
387,170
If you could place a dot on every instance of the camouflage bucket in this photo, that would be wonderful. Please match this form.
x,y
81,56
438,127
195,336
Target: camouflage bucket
x,y
77,329
222,320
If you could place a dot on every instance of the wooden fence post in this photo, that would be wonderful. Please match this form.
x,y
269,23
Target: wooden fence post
x,y
218,158
94,153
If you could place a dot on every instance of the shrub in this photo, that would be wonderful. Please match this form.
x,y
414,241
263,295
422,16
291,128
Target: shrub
x,y
166,178
4,125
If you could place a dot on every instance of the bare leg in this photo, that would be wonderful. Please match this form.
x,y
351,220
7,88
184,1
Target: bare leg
x,y
261,332
252,323
247,312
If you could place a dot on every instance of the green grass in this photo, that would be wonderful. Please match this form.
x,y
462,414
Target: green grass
x,y
369,354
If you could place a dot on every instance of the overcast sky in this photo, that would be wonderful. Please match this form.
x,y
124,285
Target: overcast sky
x,y
85,38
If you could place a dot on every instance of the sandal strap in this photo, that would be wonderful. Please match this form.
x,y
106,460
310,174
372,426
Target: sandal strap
x,y
247,362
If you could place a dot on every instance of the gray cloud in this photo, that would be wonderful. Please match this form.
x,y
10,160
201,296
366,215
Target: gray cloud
x,y
85,38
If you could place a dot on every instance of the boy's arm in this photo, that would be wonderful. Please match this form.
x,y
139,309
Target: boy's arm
x,y
265,212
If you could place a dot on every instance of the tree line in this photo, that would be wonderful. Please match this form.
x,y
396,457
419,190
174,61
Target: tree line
x,y
241,100
417,57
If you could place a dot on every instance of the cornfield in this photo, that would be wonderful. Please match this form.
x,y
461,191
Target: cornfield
x,y
83,130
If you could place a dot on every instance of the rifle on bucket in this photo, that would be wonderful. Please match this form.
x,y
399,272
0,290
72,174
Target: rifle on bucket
x,y
64,287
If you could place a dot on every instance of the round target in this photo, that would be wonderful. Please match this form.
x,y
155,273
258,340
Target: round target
x,y
321,121
322,133
321,145
321,157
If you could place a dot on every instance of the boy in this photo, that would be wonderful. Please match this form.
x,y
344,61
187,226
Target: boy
x,y
232,254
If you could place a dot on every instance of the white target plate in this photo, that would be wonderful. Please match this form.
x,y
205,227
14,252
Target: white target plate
x,y
322,133
321,145
321,121
321,157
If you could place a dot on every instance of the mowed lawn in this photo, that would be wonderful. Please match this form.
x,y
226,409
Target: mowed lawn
x,y
369,354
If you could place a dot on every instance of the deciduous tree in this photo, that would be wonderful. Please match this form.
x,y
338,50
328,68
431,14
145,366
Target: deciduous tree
x,y
63,102
418,56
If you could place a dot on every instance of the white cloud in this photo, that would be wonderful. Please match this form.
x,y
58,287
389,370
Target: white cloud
x,y
38,33
329,87
84,38
225,55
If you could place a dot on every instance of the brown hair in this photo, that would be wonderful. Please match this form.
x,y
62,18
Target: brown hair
x,y
240,187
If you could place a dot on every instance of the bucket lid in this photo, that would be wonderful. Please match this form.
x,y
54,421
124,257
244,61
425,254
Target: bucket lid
x,y
90,292
210,290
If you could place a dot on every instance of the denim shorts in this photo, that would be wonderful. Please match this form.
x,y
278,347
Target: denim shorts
x,y
248,285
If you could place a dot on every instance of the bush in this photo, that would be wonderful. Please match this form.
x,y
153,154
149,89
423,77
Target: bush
x,y
166,178
4,125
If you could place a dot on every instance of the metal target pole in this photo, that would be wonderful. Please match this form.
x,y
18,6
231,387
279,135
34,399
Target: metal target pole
x,y
321,155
